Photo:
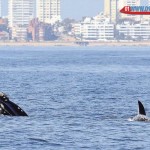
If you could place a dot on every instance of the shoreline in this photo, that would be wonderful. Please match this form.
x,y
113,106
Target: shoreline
x,y
73,44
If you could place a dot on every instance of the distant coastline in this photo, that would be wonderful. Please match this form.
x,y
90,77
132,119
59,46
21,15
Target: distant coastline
x,y
73,43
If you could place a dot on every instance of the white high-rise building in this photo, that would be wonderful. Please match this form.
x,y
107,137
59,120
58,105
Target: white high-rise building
x,y
114,9
48,11
20,12
110,9
107,7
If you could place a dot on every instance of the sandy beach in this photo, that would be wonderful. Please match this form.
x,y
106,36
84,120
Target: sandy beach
x,y
70,43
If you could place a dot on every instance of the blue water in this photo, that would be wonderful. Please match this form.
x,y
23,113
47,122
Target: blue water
x,y
76,98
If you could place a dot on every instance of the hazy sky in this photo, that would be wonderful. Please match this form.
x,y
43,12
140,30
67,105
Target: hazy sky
x,y
79,8
74,8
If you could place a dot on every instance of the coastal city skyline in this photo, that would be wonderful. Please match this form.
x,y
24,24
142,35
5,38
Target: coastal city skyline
x,y
41,20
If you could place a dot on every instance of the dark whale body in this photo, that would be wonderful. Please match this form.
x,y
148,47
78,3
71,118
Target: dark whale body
x,y
9,108
141,114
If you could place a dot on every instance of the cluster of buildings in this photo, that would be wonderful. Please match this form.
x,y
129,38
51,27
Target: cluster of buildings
x,y
21,12
36,20
113,25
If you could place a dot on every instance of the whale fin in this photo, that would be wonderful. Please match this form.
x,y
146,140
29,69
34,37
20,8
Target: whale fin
x,y
7,107
141,109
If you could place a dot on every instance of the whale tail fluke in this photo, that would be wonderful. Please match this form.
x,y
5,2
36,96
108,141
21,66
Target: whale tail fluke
x,y
141,109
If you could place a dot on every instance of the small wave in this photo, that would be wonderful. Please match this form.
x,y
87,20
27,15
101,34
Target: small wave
x,y
38,140
130,119
55,144
43,141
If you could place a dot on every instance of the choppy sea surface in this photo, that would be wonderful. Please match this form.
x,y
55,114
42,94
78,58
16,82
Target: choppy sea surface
x,y
76,97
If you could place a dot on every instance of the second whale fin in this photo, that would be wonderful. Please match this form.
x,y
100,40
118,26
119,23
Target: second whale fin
x,y
141,109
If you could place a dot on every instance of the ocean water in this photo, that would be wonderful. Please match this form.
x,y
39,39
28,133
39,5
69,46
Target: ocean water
x,y
76,97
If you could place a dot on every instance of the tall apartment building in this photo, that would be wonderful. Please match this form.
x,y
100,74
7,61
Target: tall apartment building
x,y
114,10
20,12
48,11
107,7
111,9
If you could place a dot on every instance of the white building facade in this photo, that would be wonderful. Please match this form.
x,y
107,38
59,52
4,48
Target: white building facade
x,y
20,12
107,7
114,10
134,31
48,11
94,30
111,9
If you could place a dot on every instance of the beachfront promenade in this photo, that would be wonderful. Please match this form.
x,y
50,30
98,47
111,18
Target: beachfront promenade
x,y
70,43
